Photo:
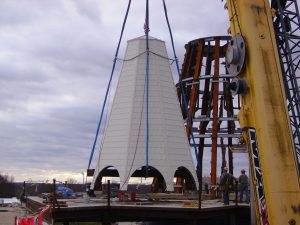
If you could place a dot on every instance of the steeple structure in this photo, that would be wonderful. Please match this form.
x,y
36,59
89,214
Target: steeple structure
x,y
124,141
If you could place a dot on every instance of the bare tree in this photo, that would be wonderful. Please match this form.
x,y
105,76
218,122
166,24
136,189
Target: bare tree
x,y
71,181
5,178
7,189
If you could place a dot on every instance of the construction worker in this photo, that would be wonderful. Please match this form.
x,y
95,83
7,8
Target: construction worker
x,y
226,182
244,183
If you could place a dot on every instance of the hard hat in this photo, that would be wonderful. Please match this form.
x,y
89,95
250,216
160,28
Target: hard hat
x,y
225,169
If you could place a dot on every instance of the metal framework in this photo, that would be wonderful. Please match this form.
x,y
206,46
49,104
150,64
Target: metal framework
x,y
212,108
287,29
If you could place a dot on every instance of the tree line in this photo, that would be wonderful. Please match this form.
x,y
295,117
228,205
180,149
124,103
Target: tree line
x,y
7,186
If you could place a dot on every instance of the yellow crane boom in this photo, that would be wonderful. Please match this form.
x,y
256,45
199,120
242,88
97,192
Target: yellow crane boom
x,y
264,116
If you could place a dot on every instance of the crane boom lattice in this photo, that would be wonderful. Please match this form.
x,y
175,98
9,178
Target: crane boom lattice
x,y
287,29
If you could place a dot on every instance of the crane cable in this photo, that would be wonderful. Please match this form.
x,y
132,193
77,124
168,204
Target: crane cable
x,y
147,83
109,84
137,139
146,89
181,85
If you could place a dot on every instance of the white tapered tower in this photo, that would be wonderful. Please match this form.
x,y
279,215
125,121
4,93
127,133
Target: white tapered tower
x,y
124,141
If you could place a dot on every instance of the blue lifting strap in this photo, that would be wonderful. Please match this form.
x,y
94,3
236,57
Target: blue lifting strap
x,y
109,84
181,85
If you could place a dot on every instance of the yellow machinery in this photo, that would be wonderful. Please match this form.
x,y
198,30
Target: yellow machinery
x,y
253,55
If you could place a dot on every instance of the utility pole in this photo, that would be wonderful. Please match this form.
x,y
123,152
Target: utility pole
x,y
82,177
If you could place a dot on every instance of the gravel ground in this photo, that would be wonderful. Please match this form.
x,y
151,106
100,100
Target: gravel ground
x,y
7,215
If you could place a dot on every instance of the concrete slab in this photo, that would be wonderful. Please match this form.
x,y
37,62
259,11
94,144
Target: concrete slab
x,y
8,214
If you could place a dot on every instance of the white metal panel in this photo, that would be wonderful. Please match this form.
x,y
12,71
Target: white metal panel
x,y
125,136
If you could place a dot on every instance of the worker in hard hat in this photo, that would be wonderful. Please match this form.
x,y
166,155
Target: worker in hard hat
x,y
243,185
226,183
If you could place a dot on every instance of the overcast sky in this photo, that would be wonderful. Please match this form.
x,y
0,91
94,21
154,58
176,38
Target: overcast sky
x,y
55,60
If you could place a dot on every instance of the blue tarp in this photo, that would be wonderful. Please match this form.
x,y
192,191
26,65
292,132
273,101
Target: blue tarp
x,y
64,191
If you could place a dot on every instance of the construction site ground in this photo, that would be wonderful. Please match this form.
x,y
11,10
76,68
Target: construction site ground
x,y
8,214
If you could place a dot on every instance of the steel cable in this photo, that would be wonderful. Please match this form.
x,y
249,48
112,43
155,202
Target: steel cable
x,y
109,84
